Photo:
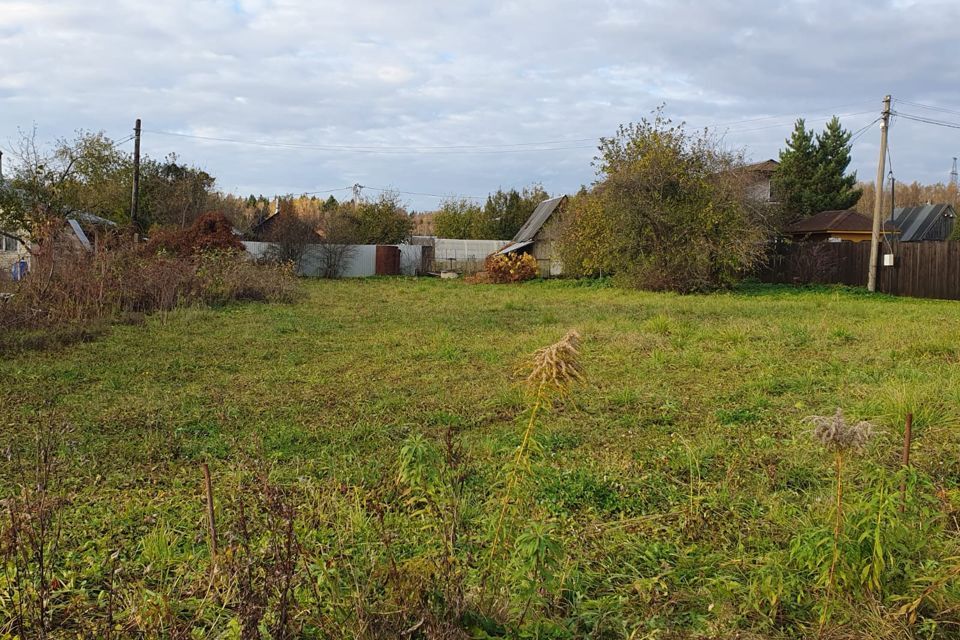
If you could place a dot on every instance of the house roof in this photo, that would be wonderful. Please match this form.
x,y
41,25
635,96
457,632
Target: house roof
x,y
846,220
767,166
537,219
924,222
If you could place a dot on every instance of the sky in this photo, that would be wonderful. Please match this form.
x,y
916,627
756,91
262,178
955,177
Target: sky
x,y
437,99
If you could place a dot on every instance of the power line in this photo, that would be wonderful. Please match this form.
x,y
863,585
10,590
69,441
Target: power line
x,y
781,124
916,118
859,133
794,116
310,193
420,193
513,147
929,107
387,150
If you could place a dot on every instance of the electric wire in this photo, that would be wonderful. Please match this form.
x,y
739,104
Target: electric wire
x,y
928,107
921,119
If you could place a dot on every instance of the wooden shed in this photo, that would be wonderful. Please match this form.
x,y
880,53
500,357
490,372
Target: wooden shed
x,y
539,234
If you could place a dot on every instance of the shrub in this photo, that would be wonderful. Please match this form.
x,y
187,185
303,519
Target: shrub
x,y
210,232
511,267
671,210
71,290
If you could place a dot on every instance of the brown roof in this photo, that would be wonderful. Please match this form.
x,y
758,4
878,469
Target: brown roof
x,y
767,166
843,220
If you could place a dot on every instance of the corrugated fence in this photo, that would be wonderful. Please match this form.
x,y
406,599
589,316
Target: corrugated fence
x,y
920,269
359,260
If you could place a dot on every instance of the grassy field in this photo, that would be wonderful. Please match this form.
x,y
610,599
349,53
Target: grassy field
x,y
677,493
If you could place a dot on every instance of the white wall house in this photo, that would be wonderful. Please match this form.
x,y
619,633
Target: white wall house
x,y
12,251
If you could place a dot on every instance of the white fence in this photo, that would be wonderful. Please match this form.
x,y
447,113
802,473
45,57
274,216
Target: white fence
x,y
360,260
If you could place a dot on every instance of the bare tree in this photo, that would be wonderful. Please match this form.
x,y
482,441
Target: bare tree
x,y
290,235
335,249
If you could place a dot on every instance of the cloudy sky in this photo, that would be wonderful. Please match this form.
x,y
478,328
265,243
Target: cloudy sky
x,y
464,97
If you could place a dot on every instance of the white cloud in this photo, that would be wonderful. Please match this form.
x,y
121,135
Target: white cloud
x,y
419,74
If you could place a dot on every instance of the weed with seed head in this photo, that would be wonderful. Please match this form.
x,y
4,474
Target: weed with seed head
x,y
840,437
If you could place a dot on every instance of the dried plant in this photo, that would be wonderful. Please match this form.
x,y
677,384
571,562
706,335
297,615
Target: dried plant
x,y
836,434
551,371
556,368
840,437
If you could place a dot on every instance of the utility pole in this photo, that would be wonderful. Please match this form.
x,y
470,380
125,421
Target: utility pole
x,y
135,197
953,173
878,197
1,165
356,195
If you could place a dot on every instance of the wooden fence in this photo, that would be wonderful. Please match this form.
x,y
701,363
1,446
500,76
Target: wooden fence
x,y
921,269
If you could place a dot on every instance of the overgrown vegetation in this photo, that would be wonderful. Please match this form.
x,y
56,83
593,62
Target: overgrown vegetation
x,y
72,294
670,211
500,217
510,267
359,480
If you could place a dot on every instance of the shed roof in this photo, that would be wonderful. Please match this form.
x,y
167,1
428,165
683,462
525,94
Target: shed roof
x,y
924,222
837,220
537,219
766,166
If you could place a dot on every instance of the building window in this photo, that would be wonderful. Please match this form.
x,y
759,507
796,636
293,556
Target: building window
x,y
9,244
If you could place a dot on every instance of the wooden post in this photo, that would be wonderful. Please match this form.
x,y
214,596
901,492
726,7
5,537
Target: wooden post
x,y
905,459
211,522
878,198
135,196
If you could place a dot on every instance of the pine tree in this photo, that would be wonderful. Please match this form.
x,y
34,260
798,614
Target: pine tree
x,y
812,174
794,180
836,189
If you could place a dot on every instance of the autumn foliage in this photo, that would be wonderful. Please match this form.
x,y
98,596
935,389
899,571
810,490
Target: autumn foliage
x,y
511,267
210,232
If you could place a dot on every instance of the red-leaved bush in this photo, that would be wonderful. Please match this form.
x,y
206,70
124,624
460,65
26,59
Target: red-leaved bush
x,y
209,232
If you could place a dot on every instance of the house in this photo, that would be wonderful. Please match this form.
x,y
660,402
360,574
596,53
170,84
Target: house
x,y
80,231
539,234
929,222
836,226
759,178
12,252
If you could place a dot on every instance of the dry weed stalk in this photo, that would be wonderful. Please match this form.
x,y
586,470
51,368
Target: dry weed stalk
x,y
556,368
840,437
552,372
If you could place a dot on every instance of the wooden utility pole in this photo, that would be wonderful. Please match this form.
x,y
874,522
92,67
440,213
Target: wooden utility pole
x,y
878,197
356,195
135,197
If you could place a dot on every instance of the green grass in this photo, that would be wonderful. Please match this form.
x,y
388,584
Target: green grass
x,y
678,477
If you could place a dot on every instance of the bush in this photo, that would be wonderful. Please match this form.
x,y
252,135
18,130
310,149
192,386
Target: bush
x,y
671,210
511,267
210,232
70,290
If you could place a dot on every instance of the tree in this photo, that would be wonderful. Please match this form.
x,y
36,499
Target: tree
x,y
507,211
457,218
290,234
83,174
812,173
381,221
90,174
500,218
335,248
838,190
173,193
670,211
